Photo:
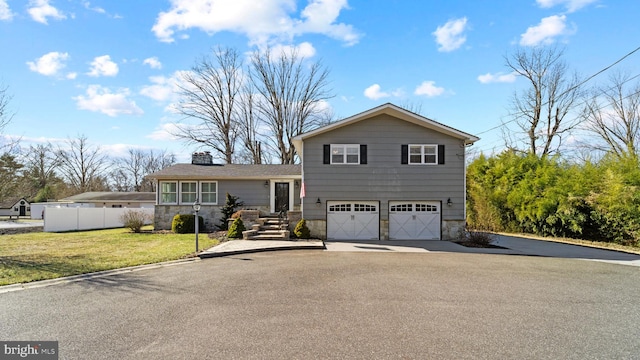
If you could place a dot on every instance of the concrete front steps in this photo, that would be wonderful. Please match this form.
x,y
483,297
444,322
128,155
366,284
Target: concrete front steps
x,y
270,228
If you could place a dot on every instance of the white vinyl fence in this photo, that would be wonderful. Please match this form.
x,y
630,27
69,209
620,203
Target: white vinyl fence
x,y
69,219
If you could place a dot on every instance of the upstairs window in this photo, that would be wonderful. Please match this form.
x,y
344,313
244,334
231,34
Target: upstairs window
x,y
345,154
420,154
423,154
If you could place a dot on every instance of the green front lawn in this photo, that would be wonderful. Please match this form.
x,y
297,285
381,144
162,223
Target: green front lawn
x,y
40,256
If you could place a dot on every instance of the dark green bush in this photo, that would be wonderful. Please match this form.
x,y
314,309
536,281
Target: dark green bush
x,y
236,229
301,230
547,196
230,207
185,224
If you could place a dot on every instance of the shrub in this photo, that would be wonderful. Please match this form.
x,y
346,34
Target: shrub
x,y
301,230
185,224
475,238
236,229
134,220
228,209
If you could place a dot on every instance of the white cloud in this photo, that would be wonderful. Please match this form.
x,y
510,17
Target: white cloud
x,y
571,5
153,62
497,78
49,64
103,66
429,89
97,9
164,132
450,35
373,92
40,10
304,50
71,75
261,21
545,32
164,88
5,12
101,99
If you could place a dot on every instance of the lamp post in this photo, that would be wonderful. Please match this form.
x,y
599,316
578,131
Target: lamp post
x,y
196,208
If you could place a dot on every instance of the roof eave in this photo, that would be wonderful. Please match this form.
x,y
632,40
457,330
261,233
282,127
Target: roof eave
x,y
395,111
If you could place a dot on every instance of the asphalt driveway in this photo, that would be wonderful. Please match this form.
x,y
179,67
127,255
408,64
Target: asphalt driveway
x,y
312,304
512,245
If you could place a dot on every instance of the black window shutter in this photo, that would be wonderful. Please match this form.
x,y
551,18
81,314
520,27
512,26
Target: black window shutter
x,y
405,154
363,154
326,158
440,154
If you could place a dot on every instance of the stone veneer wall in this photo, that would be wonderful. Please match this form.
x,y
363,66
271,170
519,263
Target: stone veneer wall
x,y
294,217
210,214
21,230
164,215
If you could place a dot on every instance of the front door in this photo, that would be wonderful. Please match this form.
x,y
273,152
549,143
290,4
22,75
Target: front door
x,y
282,196
23,210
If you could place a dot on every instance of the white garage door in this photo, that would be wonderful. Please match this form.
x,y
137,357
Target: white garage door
x,y
353,220
414,220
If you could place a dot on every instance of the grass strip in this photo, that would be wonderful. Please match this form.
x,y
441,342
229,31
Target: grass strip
x,y
40,256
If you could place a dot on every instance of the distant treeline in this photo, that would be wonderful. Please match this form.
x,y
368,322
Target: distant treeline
x,y
516,192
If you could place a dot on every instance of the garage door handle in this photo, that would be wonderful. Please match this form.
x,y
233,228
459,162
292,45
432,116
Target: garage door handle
x,y
353,217
414,217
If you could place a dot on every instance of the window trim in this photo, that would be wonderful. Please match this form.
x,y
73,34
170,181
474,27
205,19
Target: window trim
x,y
181,193
160,193
345,154
200,192
422,154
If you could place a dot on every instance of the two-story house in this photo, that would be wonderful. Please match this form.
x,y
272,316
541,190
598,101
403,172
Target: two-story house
x,y
386,173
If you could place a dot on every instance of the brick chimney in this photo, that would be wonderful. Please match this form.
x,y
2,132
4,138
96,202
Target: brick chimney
x,y
202,158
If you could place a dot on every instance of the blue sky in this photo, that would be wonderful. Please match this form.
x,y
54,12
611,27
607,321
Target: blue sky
x,y
107,68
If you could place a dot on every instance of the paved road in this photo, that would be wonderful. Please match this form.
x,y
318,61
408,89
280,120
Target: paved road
x,y
314,304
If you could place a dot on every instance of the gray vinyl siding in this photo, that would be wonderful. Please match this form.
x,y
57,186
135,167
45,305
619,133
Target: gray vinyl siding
x,y
383,178
252,193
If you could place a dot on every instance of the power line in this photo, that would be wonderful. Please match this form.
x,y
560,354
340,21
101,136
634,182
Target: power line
x,y
572,88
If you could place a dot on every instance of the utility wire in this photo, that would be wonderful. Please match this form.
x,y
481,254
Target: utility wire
x,y
572,88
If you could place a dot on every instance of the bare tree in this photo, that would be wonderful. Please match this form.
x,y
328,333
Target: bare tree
x,y
291,93
155,161
5,115
5,118
541,110
129,173
612,113
119,180
131,167
249,122
209,95
83,165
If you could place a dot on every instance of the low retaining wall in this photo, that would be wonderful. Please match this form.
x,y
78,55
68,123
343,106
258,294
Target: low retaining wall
x,y
21,230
